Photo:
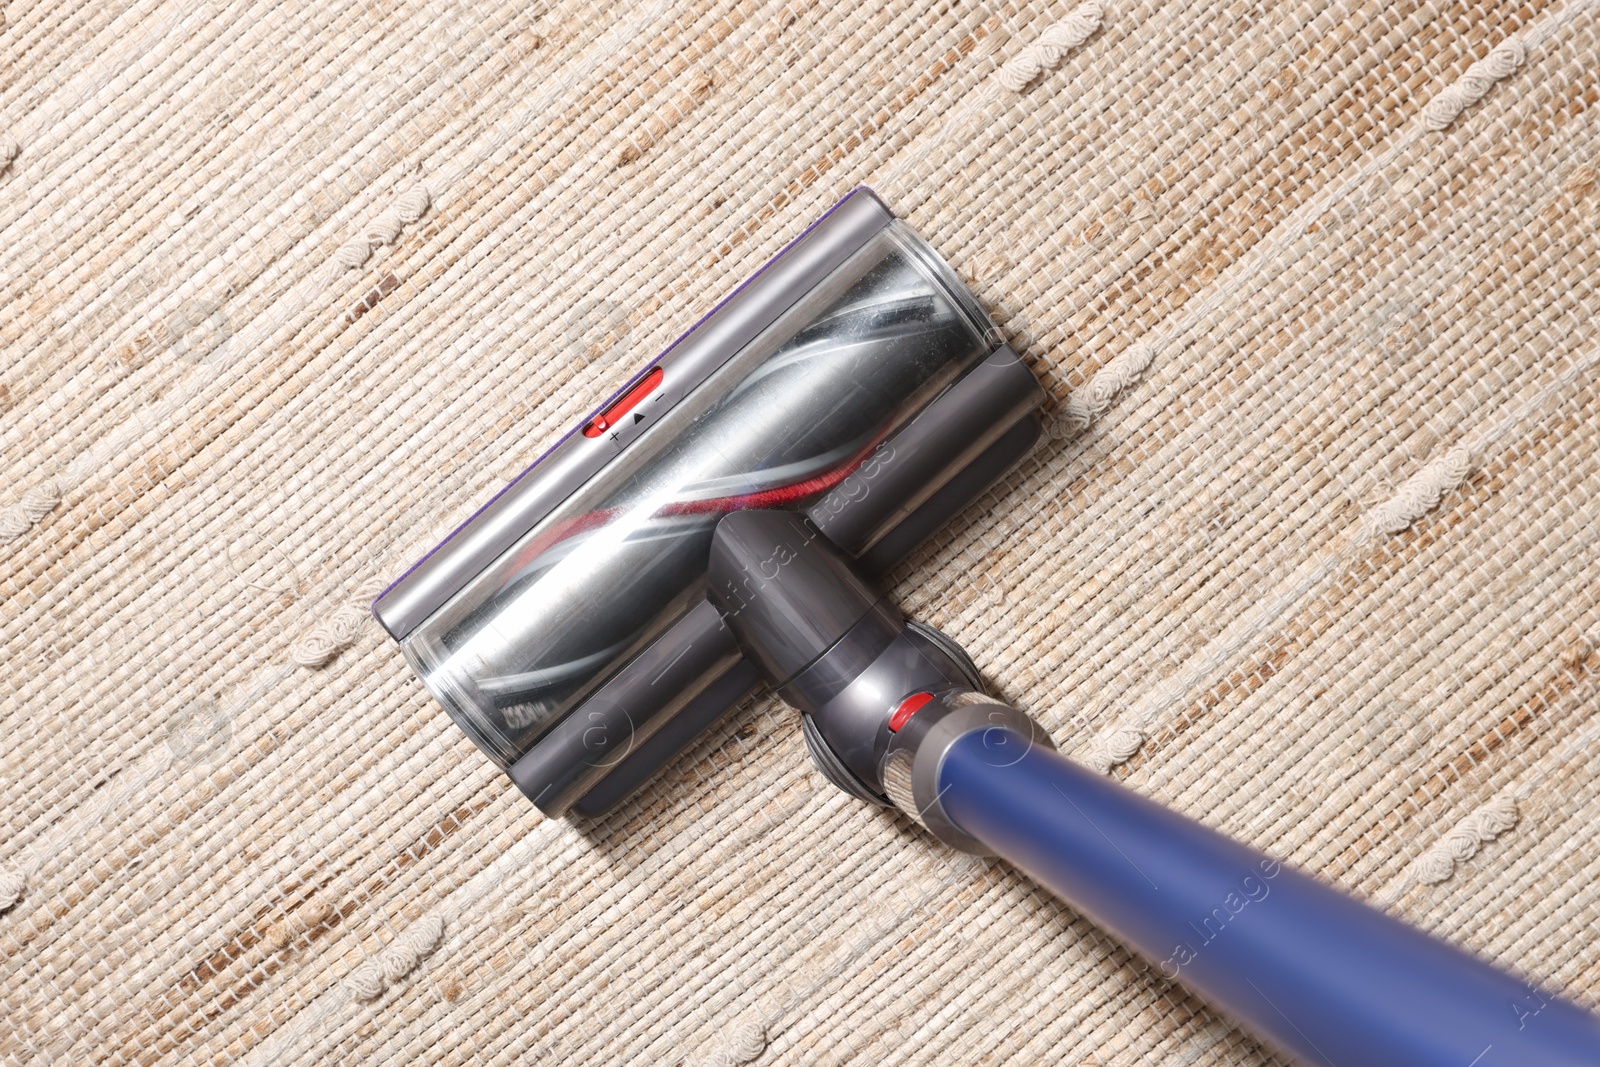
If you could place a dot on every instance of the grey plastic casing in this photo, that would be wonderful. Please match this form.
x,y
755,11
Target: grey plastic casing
x,y
832,647
825,640
930,461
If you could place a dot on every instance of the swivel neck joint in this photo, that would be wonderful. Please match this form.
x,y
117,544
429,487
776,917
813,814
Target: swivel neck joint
x,y
834,648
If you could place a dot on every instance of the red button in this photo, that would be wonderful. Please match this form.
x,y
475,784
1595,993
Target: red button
x,y
908,707
625,403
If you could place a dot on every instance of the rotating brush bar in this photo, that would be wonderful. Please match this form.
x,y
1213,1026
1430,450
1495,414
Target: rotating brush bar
x,y
565,628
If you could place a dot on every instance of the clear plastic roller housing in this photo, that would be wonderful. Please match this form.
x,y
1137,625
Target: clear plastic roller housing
x,y
782,421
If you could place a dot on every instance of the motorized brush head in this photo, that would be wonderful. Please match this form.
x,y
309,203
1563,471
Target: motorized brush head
x,y
853,379
722,520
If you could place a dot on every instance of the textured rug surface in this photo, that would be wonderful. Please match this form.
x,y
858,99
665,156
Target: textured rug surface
x,y
288,289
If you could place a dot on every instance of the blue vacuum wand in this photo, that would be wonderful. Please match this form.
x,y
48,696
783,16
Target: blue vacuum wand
x,y
1318,975
1326,979
720,521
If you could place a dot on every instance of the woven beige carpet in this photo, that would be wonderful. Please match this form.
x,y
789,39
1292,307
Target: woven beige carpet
x,y
290,288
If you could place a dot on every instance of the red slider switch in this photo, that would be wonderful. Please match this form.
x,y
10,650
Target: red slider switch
x,y
624,404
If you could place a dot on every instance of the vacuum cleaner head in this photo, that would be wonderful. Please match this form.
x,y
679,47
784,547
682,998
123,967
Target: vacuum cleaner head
x,y
853,379
721,521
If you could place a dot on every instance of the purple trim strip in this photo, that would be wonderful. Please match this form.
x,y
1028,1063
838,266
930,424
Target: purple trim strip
x,y
607,402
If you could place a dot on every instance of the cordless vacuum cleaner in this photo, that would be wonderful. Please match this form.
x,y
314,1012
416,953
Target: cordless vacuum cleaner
x,y
721,521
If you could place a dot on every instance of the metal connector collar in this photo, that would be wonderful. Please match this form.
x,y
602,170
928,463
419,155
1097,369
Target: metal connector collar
x,y
911,765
